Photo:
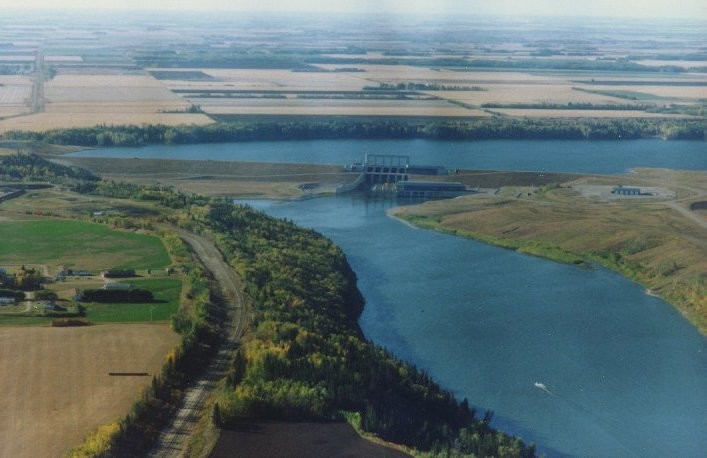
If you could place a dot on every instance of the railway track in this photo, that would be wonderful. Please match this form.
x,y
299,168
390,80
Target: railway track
x,y
173,440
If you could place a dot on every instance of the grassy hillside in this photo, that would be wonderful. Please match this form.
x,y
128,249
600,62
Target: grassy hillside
x,y
645,240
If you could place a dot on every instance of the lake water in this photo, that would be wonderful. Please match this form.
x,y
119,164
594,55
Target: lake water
x,y
537,155
625,374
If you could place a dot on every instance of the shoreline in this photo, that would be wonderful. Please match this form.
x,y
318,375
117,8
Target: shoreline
x,y
585,260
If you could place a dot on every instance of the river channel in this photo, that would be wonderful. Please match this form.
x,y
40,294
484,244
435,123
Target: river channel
x,y
580,361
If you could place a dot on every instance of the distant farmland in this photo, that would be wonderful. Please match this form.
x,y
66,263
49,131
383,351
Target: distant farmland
x,y
180,74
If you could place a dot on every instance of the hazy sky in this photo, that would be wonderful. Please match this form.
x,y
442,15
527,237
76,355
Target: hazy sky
x,y
616,8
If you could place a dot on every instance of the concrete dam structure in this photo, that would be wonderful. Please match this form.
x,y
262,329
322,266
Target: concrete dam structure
x,y
390,174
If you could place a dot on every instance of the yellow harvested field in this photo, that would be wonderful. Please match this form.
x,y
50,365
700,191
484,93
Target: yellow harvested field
x,y
45,121
107,88
339,110
9,80
13,110
526,93
245,79
92,80
15,95
55,384
502,87
113,107
526,113
399,73
87,100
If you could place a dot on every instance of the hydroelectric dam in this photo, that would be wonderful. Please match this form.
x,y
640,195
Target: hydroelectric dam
x,y
390,174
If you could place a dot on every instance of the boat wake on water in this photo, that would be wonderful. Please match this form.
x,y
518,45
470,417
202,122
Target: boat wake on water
x,y
541,386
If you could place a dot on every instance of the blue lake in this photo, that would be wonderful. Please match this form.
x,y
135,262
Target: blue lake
x,y
538,155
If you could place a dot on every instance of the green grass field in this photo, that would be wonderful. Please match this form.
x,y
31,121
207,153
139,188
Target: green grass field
x,y
21,320
166,291
78,244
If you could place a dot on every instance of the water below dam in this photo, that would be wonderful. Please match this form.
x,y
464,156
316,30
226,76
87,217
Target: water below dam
x,y
580,361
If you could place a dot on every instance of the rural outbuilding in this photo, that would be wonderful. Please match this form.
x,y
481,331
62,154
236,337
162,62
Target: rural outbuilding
x,y
626,191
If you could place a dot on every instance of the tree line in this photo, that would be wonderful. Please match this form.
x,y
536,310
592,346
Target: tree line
x,y
292,129
22,167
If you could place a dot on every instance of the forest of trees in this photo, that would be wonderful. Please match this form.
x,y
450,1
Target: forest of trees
x,y
307,129
21,167
304,358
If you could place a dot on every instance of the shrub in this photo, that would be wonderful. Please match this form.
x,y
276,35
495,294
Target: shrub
x,y
117,295
66,322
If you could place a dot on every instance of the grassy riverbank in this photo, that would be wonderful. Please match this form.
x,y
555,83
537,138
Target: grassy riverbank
x,y
644,239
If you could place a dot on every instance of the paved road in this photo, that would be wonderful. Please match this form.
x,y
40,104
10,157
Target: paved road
x,y
173,440
38,83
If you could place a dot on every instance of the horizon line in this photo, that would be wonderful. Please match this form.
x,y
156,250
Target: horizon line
x,y
462,14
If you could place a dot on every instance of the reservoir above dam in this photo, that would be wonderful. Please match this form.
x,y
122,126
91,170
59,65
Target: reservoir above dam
x,y
603,157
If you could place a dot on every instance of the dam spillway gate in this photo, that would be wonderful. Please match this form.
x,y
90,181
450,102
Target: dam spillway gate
x,y
385,168
389,174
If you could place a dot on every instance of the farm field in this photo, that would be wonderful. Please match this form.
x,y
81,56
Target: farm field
x,y
167,294
55,383
431,91
87,100
337,109
181,73
78,245
15,95
92,115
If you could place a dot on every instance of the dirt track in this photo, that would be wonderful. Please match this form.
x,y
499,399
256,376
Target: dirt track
x,y
172,442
